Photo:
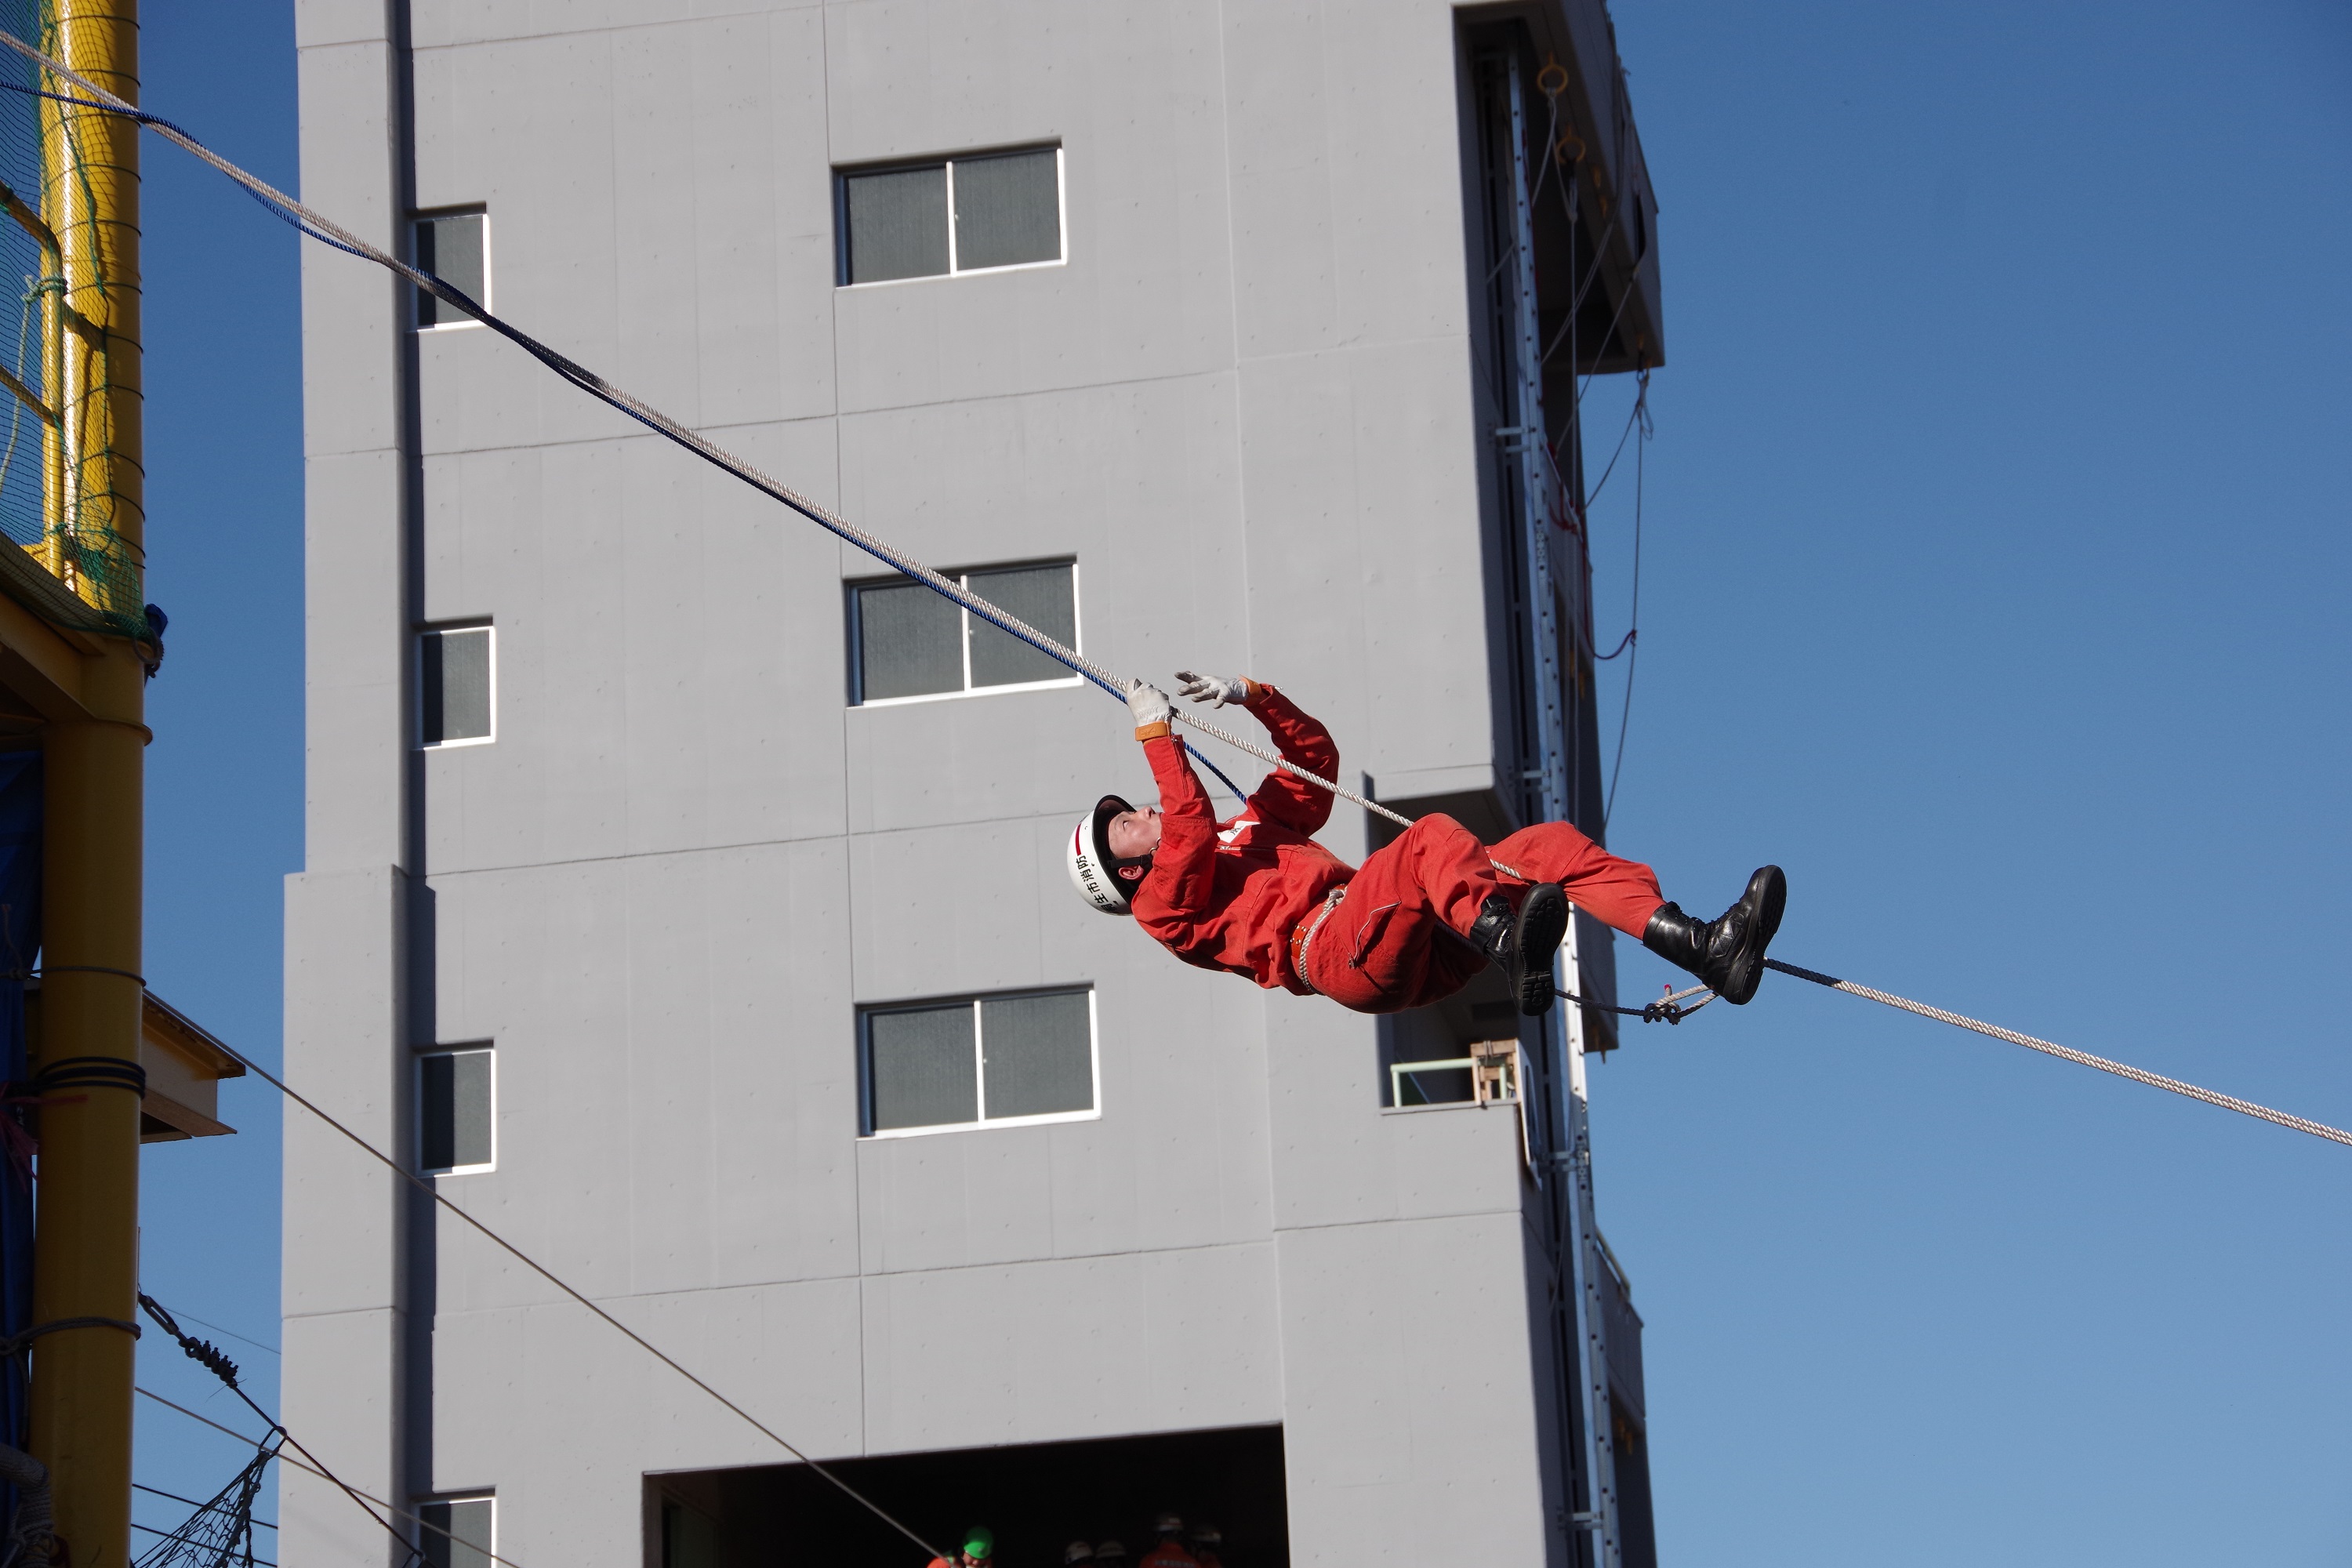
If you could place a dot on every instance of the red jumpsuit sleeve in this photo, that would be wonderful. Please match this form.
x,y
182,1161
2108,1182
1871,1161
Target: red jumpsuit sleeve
x,y
1184,868
1284,797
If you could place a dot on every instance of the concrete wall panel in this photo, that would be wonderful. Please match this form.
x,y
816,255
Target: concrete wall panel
x,y
1410,1423
672,1036
342,1050
1188,1340
669,652
1364,532
339,1395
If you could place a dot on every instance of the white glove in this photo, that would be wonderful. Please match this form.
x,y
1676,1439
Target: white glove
x,y
1220,690
1147,703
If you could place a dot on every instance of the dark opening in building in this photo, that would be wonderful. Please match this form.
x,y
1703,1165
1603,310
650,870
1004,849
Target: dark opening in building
x,y
1038,1498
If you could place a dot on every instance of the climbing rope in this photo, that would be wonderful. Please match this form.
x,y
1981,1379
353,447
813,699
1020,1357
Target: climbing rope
x,y
2064,1053
327,232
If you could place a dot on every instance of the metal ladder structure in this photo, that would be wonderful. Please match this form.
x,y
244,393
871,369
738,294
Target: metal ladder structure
x,y
1570,1158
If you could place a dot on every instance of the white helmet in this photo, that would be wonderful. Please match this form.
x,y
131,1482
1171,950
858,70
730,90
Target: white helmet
x,y
1094,869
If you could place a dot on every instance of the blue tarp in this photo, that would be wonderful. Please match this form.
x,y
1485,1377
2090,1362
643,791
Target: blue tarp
x,y
20,940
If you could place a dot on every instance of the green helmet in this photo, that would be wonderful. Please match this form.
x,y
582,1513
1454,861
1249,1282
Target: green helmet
x,y
979,1541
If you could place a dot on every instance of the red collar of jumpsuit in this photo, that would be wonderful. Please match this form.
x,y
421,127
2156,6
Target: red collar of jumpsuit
x,y
1226,895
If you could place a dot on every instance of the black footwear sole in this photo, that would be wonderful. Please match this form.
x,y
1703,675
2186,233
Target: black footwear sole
x,y
1543,920
1767,896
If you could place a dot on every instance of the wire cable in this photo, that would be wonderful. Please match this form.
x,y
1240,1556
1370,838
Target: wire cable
x,y
2067,1053
210,1358
422,1185
1633,627
379,1502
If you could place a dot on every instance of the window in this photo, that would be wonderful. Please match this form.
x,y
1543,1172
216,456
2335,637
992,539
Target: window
x,y
690,1539
980,1062
910,644
456,686
458,1531
454,247
456,1116
959,215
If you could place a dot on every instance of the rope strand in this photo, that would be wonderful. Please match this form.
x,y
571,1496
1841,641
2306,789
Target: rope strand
x,y
329,233
2067,1053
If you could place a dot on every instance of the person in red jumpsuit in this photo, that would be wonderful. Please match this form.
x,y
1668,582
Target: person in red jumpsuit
x,y
1256,895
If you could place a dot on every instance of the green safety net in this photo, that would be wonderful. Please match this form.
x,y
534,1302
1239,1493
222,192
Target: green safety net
x,y
57,499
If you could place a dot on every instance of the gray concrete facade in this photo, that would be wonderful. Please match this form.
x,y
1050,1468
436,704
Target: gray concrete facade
x,y
1245,404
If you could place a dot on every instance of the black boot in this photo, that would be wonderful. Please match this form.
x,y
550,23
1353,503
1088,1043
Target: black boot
x,y
1727,954
1522,945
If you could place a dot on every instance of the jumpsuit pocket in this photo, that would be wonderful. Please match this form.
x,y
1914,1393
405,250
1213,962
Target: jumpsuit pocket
x,y
1369,932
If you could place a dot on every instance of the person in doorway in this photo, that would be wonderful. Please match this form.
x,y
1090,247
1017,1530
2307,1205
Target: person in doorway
x,y
978,1549
1256,896
1170,1550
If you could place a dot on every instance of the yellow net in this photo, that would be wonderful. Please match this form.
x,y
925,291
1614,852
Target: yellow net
x,y
63,501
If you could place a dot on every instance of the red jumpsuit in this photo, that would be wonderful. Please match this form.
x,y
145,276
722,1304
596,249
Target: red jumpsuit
x,y
1232,895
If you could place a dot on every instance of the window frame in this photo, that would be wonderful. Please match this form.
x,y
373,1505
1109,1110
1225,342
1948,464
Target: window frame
x,y
444,1499
439,628
854,588
867,1131
489,278
471,1047
843,174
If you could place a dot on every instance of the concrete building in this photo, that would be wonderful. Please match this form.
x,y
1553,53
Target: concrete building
x,y
689,899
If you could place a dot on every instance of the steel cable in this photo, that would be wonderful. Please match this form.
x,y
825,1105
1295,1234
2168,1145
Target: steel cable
x,y
364,1498
422,1185
2067,1053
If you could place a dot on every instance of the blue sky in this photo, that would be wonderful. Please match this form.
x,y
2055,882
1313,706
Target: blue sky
x,y
1995,571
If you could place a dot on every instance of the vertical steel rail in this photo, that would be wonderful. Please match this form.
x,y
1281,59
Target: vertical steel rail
x,y
1563,1026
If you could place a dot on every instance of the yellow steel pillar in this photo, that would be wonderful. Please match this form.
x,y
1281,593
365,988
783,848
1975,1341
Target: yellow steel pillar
x,y
85,1252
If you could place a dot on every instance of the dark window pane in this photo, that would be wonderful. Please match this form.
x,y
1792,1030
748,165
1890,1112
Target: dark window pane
x,y
1042,596
909,642
1008,210
898,224
689,1540
1040,1054
467,1522
456,1111
919,1068
439,1113
455,682
451,249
